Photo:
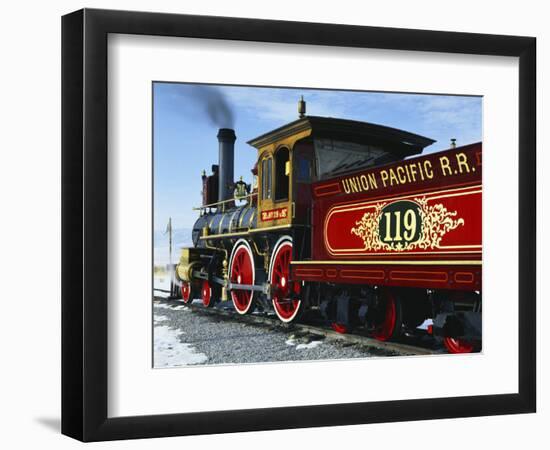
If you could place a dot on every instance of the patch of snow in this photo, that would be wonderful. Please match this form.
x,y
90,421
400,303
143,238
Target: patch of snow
x,y
162,306
169,351
181,308
172,308
291,340
312,344
158,318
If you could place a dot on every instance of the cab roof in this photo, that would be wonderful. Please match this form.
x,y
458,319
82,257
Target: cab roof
x,y
400,142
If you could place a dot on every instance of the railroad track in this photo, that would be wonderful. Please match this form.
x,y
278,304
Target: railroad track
x,y
313,327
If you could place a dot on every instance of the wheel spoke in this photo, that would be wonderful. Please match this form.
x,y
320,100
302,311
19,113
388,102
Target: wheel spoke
x,y
242,272
206,294
286,307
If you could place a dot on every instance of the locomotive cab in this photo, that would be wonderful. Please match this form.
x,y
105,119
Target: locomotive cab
x,y
280,183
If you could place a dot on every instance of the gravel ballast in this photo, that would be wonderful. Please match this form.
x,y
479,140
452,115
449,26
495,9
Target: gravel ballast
x,y
189,336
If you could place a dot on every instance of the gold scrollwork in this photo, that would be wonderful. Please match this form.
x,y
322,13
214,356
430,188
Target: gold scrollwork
x,y
436,222
368,229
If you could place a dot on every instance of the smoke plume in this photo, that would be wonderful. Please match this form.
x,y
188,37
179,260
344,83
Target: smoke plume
x,y
215,106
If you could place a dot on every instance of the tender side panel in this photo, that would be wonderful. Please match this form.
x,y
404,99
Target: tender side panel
x,y
412,223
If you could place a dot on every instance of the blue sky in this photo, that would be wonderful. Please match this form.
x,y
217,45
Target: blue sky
x,y
185,140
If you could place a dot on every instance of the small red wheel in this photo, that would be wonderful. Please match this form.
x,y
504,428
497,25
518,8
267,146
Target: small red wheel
x,y
388,325
242,271
339,328
285,294
457,345
186,292
208,294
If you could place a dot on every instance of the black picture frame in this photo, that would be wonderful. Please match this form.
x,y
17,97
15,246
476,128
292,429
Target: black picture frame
x,y
84,224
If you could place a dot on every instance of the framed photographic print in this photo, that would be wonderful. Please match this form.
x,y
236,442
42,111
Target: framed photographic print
x,y
302,218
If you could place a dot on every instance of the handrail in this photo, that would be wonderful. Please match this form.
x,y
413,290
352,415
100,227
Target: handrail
x,y
210,205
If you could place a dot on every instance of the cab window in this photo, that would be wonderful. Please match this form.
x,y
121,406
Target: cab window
x,y
266,178
302,169
282,172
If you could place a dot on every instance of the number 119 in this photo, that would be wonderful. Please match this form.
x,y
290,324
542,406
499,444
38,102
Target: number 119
x,y
409,225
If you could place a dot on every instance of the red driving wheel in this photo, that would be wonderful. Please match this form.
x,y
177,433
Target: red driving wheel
x,y
186,292
207,294
389,324
285,294
457,345
241,271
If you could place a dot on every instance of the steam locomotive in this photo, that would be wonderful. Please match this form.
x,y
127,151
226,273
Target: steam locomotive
x,y
340,219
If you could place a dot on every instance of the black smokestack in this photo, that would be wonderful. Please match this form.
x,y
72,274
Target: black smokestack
x,y
226,138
